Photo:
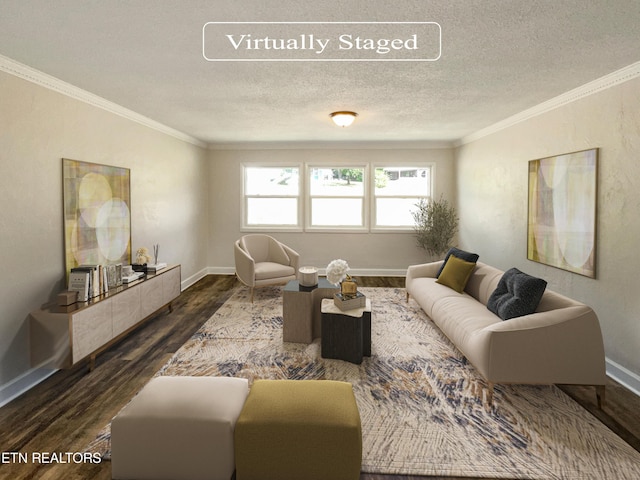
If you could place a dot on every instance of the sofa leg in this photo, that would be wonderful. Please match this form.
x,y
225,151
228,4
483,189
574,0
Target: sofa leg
x,y
600,394
490,386
251,294
407,297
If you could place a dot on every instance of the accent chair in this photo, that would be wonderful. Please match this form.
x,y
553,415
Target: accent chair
x,y
262,260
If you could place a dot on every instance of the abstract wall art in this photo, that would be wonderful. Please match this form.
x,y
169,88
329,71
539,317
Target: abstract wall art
x,y
562,211
97,214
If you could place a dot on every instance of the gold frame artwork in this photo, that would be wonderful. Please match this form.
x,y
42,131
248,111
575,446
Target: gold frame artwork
x,y
562,213
97,214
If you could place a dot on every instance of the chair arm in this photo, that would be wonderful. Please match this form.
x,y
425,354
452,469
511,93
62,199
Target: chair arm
x,y
245,266
294,257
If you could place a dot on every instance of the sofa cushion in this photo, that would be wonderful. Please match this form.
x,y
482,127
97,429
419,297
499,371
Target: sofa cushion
x,y
483,282
468,256
456,273
461,317
517,294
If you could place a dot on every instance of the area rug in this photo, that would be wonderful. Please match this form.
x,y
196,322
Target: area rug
x,y
420,402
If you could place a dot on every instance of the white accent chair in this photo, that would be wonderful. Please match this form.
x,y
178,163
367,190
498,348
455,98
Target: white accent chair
x,y
262,260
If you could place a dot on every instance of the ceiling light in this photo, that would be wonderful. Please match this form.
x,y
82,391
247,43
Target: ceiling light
x,y
343,119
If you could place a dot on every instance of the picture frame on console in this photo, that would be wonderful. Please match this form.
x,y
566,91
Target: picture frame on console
x,y
562,211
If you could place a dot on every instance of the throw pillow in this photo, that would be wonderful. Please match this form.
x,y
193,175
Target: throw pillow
x,y
468,256
456,273
517,294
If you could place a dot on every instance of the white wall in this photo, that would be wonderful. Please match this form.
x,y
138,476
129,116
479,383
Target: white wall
x,y
492,199
389,253
39,127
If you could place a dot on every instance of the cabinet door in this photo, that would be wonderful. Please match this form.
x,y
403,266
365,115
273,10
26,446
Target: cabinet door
x,y
91,329
171,284
126,310
151,295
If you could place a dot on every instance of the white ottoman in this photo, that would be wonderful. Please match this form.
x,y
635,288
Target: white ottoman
x,y
178,428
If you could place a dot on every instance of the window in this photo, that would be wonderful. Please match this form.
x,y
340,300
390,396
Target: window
x,y
396,192
337,197
340,197
271,197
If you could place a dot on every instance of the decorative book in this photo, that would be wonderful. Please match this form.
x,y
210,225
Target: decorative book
x,y
154,267
79,282
133,277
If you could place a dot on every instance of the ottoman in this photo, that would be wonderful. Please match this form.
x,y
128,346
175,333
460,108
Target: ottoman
x,y
299,429
178,428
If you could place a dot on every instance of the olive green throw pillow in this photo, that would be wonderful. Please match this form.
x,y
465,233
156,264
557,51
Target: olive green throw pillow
x,y
456,273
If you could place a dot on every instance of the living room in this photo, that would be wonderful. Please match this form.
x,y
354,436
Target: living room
x,y
186,188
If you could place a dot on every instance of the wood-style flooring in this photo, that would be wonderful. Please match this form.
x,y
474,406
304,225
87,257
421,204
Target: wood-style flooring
x,y
65,412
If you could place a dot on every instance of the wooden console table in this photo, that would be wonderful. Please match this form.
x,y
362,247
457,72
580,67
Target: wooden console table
x,y
64,336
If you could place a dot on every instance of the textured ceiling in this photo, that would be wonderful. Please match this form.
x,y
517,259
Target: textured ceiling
x,y
499,57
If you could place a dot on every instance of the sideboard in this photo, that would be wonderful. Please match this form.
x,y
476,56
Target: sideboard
x,y
61,337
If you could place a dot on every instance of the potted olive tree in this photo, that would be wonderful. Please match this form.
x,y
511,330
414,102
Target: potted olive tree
x,y
436,224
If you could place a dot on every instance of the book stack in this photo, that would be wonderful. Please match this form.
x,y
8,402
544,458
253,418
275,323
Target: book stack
x,y
132,277
154,267
350,302
90,278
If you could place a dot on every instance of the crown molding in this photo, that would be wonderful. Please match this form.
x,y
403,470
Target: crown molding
x,y
615,78
32,75
337,145
25,72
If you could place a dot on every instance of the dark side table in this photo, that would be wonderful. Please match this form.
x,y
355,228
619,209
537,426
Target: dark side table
x,y
346,335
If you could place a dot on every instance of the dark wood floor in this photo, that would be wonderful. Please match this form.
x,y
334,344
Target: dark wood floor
x,y
65,412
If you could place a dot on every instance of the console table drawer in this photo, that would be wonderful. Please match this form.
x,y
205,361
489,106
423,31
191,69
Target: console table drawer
x,y
90,327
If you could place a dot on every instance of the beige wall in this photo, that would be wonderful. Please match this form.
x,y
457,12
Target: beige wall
x,y
188,200
389,253
492,198
38,127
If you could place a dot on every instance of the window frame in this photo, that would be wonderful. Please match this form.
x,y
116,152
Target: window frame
x,y
244,198
308,197
304,198
373,197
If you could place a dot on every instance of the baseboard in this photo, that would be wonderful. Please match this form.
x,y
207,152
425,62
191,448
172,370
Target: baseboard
x,y
363,272
187,282
624,376
374,272
221,271
24,382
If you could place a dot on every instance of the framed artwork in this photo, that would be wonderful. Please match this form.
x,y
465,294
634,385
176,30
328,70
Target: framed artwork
x,y
97,214
562,211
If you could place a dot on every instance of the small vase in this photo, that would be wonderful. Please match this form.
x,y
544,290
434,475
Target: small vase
x,y
348,287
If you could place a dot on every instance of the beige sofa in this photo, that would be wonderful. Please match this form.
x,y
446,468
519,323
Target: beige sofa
x,y
560,343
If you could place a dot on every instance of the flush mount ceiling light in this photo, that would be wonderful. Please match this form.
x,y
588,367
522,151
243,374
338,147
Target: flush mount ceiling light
x,y
343,119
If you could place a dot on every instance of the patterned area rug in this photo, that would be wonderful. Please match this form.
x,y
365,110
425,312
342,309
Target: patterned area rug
x,y
420,402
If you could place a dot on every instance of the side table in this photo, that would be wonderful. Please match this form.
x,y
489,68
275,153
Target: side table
x,y
301,310
346,335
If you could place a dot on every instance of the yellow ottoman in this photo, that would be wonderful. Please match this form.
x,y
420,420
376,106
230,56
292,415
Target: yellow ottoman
x,y
299,429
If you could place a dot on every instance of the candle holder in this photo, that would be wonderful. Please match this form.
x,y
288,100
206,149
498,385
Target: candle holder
x,y
308,276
